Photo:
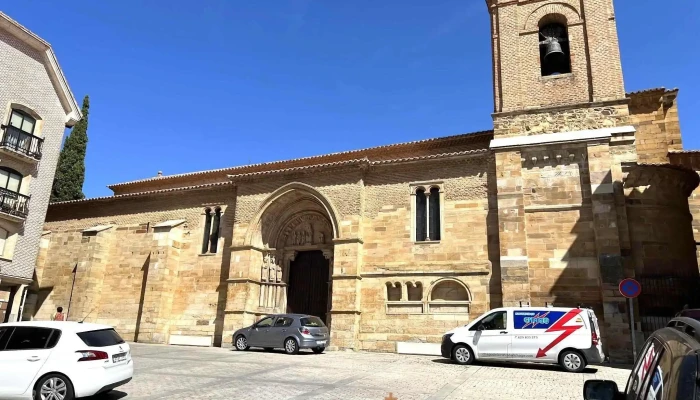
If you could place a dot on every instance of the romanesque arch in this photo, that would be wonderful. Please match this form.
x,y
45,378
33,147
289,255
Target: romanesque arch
x,y
294,229
571,15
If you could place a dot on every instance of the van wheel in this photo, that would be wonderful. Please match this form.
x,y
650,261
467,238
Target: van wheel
x,y
462,355
572,361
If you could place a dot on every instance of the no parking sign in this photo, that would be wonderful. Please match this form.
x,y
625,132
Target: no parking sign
x,y
630,288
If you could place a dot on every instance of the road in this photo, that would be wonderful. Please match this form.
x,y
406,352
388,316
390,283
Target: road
x,y
167,372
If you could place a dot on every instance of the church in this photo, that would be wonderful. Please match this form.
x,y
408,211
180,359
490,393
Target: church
x,y
577,186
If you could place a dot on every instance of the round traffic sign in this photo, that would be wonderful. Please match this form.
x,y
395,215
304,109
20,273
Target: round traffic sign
x,y
630,288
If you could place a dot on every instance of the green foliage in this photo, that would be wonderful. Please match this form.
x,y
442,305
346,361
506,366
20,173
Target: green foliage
x,y
70,172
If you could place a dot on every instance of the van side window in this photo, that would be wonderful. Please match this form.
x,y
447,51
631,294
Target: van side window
x,y
492,322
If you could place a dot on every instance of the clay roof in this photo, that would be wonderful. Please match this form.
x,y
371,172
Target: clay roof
x,y
58,79
651,90
372,153
146,193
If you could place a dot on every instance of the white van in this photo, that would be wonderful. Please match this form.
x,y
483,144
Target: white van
x,y
555,335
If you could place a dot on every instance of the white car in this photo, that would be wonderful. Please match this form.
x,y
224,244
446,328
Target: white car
x,y
555,335
61,360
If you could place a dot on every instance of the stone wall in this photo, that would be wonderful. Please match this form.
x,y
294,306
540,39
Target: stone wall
x,y
655,115
152,283
584,117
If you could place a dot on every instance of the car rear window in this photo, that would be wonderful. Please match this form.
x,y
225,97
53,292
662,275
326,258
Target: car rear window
x,y
101,338
311,321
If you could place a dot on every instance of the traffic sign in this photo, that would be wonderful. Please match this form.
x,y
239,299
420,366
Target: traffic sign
x,y
630,288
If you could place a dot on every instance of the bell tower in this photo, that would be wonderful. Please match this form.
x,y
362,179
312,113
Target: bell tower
x,y
561,136
554,53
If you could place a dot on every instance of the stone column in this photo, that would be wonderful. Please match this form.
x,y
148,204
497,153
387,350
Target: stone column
x,y
345,310
615,324
515,279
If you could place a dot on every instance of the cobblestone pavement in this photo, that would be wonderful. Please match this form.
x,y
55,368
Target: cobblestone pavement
x,y
163,372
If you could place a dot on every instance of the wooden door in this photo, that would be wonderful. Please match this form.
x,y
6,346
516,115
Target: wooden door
x,y
308,284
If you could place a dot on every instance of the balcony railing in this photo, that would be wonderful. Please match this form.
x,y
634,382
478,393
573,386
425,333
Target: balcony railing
x,y
14,203
21,142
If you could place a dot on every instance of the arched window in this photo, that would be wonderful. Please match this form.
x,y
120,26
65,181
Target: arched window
x,y
215,231
207,230
415,291
10,180
421,216
449,296
212,226
393,291
555,54
427,214
434,211
449,290
22,121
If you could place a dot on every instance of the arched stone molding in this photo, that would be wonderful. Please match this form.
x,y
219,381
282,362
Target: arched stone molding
x,y
296,195
570,15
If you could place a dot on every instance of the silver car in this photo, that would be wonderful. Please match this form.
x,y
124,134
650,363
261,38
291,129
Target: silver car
x,y
290,332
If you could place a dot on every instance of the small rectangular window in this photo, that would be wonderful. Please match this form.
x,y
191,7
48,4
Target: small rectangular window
x,y
421,216
53,340
312,322
29,338
101,338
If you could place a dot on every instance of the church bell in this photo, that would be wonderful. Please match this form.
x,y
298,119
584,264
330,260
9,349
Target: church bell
x,y
555,59
554,52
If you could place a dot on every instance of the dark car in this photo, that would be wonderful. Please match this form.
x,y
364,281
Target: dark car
x,y
666,368
290,332
693,313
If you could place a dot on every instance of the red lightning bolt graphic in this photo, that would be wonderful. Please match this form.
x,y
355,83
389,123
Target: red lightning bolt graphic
x,y
565,331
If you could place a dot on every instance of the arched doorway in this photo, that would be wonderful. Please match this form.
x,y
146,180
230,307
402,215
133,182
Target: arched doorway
x,y
295,230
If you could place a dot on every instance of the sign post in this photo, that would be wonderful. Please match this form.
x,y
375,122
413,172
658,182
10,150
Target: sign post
x,y
631,289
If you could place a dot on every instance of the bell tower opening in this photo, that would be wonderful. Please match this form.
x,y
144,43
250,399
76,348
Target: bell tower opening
x,y
555,53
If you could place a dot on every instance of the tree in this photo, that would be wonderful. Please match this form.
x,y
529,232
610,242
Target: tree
x,y
70,173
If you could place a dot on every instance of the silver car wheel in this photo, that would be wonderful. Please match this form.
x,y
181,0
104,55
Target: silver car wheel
x,y
572,361
290,346
462,354
53,389
241,343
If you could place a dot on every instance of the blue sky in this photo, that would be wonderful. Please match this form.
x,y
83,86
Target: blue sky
x,y
182,86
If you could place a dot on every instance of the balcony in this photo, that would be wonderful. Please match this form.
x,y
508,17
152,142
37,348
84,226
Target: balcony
x,y
13,205
16,142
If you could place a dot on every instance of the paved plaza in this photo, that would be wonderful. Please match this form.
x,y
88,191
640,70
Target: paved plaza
x,y
164,372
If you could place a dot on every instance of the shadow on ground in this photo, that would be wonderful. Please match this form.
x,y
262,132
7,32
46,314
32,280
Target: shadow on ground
x,y
111,395
541,367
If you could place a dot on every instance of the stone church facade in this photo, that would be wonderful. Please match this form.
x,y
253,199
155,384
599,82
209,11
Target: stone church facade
x,y
575,188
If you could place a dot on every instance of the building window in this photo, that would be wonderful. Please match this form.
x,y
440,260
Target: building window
x,y
555,54
427,213
22,121
449,290
393,291
415,291
10,180
3,240
214,238
212,226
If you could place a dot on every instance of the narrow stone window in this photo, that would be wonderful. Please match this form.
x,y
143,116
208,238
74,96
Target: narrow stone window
x,y
415,292
215,231
555,54
421,215
434,212
393,292
207,230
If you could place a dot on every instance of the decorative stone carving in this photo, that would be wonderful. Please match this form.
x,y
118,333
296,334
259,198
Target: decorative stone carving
x,y
305,230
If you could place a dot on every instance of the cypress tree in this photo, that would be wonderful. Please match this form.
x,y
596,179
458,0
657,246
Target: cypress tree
x,y
70,172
